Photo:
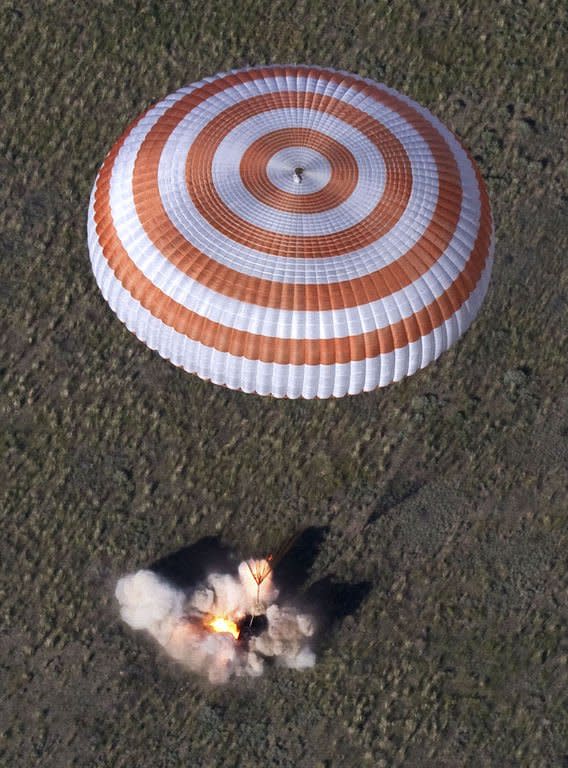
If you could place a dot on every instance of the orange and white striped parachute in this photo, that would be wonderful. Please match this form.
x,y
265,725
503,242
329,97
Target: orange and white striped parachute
x,y
292,231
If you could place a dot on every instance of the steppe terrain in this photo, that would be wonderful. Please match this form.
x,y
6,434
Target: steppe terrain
x,y
439,503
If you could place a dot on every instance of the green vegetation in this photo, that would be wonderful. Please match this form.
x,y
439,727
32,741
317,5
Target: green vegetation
x,y
446,491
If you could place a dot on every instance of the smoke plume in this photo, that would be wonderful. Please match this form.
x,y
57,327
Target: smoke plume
x,y
228,626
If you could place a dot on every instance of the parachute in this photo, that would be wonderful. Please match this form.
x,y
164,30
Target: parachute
x,y
292,231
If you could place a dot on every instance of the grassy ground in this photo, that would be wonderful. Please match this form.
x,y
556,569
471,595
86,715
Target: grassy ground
x,y
446,492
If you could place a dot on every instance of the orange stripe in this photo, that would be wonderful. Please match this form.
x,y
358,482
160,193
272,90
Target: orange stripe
x,y
342,182
208,202
268,349
233,283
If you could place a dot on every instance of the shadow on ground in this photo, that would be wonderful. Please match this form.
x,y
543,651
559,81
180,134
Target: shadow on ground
x,y
188,566
328,599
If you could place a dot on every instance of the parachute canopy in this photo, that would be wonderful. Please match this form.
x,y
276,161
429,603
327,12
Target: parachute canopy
x,y
292,231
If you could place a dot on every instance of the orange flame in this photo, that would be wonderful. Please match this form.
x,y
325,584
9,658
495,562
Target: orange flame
x,y
220,624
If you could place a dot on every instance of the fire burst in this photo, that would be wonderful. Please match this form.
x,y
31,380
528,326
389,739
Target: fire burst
x,y
222,625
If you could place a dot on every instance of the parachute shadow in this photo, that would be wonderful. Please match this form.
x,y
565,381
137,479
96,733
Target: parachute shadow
x,y
330,601
292,570
189,565
397,492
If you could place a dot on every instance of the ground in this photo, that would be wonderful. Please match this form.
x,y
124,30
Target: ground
x,y
445,494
